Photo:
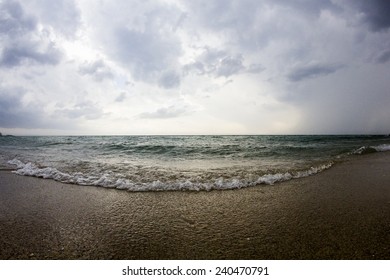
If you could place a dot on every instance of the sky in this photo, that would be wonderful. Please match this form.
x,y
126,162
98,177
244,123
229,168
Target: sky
x,y
114,67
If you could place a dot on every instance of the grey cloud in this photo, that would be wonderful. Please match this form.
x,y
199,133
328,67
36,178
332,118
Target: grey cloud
x,y
143,39
208,62
219,63
98,69
169,79
376,13
311,71
309,6
148,40
12,113
21,41
180,21
86,110
354,103
239,23
229,66
255,68
164,113
221,14
212,56
147,54
253,24
19,53
214,14
13,20
62,15
354,100
383,57
15,114
121,97
196,67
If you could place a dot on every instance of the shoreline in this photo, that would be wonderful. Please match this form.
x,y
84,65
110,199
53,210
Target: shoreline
x,y
340,213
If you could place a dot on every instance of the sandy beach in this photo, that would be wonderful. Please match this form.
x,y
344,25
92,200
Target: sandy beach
x,y
341,213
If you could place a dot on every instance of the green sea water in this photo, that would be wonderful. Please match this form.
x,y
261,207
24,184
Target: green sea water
x,y
158,163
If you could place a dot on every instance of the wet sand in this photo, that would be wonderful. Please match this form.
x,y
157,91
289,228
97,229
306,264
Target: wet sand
x,y
341,213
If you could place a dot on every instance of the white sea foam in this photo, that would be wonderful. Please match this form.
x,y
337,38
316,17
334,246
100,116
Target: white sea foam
x,y
371,149
30,169
271,179
313,170
16,162
109,180
143,163
382,148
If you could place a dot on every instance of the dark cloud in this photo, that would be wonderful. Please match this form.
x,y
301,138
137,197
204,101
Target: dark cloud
x,y
308,7
223,14
237,22
243,15
253,24
27,52
11,112
311,71
376,13
13,21
15,114
383,57
288,52
98,69
355,101
21,41
62,15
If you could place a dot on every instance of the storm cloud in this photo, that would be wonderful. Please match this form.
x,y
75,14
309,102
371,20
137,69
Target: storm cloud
x,y
232,66
376,13
311,71
15,112
22,42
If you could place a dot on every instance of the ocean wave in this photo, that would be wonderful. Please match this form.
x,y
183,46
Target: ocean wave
x,y
371,149
110,180
185,149
383,148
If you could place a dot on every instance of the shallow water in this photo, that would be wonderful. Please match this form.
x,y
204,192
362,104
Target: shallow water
x,y
151,163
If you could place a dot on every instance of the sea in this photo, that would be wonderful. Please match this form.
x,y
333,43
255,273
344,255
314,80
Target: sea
x,y
173,163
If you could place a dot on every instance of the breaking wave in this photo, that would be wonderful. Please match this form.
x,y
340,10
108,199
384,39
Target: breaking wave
x,y
110,180
371,149
159,163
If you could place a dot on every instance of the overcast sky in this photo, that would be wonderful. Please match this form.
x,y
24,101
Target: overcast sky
x,y
194,67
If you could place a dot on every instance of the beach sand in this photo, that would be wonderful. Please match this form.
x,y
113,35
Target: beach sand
x,y
341,213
